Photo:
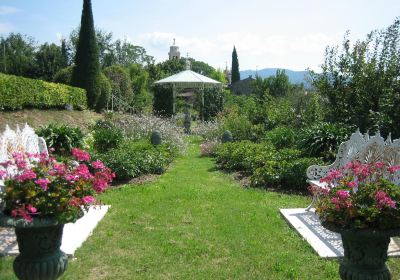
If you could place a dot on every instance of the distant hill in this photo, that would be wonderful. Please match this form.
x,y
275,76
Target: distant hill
x,y
295,77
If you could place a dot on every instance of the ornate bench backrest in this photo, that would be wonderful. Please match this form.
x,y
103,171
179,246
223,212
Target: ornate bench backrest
x,y
363,148
25,140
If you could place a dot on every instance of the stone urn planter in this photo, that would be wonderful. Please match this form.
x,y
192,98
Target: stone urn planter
x,y
365,253
39,244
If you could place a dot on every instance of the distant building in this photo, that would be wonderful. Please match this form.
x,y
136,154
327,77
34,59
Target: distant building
x,y
174,52
243,87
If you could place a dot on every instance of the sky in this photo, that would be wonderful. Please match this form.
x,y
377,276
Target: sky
x,y
291,34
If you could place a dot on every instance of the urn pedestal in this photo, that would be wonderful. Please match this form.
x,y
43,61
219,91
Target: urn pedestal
x,y
39,243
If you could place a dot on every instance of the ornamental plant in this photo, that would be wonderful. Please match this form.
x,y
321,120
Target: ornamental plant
x,y
360,196
36,185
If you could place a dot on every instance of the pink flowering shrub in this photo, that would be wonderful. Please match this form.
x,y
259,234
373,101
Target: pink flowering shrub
x,y
38,186
361,196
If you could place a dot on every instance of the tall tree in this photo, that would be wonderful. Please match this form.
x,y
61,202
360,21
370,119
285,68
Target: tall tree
x,y
235,66
86,73
64,53
48,61
17,55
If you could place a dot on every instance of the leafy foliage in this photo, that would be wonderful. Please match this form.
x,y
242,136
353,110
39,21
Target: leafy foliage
x,y
323,139
19,53
106,136
120,82
362,82
213,103
281,137
61,138
17,93
134,158
266,166
163,100
48,61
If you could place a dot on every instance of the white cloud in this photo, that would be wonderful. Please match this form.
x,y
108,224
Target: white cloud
x,y
254,49
6,10
6,27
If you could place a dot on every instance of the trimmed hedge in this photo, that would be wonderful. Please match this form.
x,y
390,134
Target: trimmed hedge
x,y
18,92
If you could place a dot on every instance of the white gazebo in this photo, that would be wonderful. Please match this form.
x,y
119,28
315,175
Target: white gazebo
x,y
188,79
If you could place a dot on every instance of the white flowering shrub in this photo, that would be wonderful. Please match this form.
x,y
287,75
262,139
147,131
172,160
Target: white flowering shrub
x,y
209,131
136,127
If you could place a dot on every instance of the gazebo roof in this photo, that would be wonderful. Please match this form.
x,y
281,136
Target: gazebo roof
x,y
188,78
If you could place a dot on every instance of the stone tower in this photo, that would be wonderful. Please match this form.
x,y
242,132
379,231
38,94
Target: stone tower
x,y
174,52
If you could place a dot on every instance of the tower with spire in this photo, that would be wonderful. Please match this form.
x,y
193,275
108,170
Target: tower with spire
x,y
174,52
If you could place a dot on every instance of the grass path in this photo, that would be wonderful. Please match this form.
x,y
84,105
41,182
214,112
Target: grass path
x,y
195,223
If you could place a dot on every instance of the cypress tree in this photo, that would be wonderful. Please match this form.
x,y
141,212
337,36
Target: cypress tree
x,y
235,66
86,72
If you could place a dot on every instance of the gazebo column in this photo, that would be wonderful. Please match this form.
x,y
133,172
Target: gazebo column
x,y
202,103
173,99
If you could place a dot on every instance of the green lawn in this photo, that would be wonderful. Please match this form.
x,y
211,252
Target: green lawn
x,y
196,223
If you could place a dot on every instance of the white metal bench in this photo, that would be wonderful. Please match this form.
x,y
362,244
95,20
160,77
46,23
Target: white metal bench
x,y
25,140
363,148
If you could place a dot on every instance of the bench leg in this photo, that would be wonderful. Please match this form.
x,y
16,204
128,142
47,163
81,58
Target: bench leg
x,y
314,200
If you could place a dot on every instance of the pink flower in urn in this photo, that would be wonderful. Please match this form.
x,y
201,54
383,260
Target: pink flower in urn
x,y
26,175
352,184
98,164
88,199
31,209
80,155
379,164
383,200
394,169
82,171
3,174
42,183
343,194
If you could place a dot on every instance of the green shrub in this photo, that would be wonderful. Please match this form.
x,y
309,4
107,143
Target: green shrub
x,y
238,125
243,156
18,92
323,139
105,93
266,166
61,138
106,136
281,137
64,75
134,158
288,174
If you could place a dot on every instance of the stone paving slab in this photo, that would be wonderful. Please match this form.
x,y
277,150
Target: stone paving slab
x,y
326,244
73,237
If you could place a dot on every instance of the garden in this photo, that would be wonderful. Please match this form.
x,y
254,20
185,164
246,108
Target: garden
x,y
195,185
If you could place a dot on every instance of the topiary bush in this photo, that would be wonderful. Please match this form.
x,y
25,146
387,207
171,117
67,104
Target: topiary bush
x,y
155,138
18,92
227,136
134,158
106,136
323,139
61,138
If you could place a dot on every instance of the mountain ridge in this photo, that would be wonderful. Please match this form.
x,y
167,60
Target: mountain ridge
x,y
295,77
